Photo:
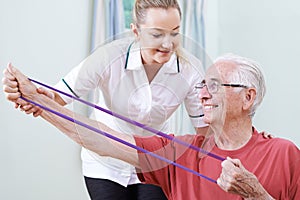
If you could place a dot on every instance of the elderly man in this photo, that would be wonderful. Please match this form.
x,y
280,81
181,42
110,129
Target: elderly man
x,y
255,167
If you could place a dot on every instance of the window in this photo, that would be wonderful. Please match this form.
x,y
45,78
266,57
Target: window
x,y
128,6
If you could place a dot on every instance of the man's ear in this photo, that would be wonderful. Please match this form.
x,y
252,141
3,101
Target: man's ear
x,y
249,99
134,29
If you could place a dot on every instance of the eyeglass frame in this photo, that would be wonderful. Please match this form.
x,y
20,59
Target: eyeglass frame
x,y
203,84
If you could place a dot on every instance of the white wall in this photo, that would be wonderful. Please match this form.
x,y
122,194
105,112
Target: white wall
x,y
44,39
268,32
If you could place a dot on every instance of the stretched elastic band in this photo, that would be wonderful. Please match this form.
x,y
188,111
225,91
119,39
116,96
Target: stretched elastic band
x,y
134,122
118,139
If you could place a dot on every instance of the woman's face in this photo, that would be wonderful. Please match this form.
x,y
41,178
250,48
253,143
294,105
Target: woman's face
x,y
158,35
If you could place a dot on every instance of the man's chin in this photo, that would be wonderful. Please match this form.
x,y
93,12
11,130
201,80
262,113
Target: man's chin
x,y
206,119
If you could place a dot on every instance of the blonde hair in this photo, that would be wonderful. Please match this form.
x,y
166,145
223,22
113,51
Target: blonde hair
x,y
141,6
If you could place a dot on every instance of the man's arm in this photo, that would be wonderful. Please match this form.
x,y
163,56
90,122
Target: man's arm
x,y
16,84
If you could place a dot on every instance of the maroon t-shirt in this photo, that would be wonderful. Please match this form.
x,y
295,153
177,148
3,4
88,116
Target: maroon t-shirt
x,y
275,162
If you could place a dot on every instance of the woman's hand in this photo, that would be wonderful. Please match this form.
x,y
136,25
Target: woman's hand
x,y
267,135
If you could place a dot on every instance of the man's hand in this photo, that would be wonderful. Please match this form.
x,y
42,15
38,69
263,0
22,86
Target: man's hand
x,y
10,85
237,180
15,85
35,110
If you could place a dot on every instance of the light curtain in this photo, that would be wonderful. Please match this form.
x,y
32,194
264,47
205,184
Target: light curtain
x,y
193,26
193,31
108,21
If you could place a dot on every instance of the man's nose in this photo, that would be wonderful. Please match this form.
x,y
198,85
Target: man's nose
x,y
204,93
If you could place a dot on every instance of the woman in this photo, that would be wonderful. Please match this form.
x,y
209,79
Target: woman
x,y
145,79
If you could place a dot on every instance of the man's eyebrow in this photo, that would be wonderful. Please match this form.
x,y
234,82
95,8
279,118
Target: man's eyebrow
x,y
214,79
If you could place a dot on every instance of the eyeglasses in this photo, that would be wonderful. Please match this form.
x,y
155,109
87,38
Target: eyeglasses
x,y
213,86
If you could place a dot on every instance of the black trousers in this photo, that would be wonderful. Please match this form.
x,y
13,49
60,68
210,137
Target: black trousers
x,y
102,189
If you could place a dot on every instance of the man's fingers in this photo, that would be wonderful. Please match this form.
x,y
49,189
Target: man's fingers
x,y
12,96
38,113
27,107
21,102
9,80
15,83
9,89
9,86
45,92
7,74
228,164
16,73
235,162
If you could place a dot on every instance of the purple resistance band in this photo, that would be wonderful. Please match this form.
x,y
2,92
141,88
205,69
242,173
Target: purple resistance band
x,y
118,139
133,122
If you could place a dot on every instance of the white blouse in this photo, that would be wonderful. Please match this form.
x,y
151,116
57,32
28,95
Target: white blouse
x,y
116,70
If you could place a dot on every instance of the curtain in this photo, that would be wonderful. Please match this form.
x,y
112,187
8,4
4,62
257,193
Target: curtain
x,y
193,33
193,27
108,23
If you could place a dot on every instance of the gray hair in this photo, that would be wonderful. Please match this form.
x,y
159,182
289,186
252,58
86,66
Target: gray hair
x,y
141,6
249,74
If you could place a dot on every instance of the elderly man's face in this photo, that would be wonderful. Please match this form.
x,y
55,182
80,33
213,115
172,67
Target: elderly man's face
x,y
220,103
